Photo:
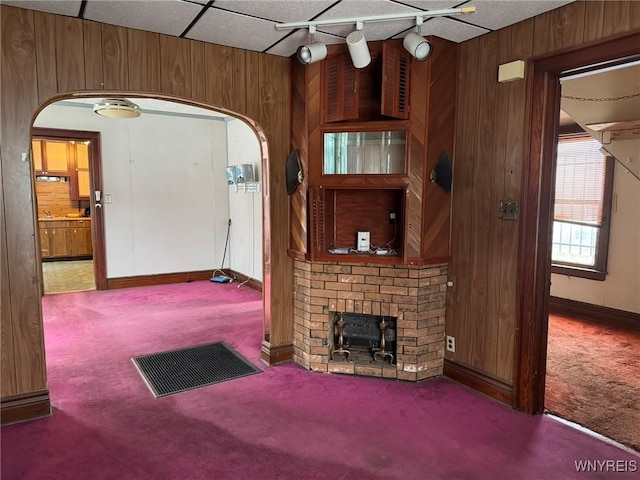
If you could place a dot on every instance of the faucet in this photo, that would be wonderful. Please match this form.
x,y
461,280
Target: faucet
x,y
47,213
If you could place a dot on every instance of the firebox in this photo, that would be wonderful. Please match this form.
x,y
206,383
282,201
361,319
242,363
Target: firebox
x,y
363,339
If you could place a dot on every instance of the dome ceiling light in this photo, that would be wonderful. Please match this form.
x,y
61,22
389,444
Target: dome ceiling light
x,y
117,108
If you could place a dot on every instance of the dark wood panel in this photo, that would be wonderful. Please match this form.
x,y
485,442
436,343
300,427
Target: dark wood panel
x,y
595,313
19,93
226,88
567,26
416,162
522,47
198,71
299,142
175,58
436,232
114,63
46,55
144,60
495,254
620,17
594,20
93,55
459,269
364,211
7,370
481,195
69,59
542,25
267,76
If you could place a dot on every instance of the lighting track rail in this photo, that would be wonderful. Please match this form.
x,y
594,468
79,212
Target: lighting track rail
x,y
414,43
419,16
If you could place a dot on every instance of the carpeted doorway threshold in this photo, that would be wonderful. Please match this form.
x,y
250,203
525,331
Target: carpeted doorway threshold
x,y
184,369
592,377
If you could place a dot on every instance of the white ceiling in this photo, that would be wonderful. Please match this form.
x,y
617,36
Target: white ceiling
x,y
250,24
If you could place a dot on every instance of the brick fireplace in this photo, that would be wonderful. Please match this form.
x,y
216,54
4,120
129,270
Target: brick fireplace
x,y
415,296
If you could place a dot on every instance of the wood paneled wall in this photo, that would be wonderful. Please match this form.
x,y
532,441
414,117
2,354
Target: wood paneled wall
x,y
491,129
44,55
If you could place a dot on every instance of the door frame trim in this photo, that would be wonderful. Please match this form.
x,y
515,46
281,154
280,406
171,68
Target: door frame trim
x,y
95,181
534,259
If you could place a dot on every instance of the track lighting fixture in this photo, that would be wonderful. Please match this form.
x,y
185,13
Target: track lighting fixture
x,y
358,49
311,52
414,42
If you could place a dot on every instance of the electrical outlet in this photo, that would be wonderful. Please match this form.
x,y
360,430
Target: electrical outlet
x,y
392,217
451,343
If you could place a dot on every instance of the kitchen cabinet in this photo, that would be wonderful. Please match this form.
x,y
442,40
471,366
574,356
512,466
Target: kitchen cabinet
x,y
367,141
65,238
51,157
80,183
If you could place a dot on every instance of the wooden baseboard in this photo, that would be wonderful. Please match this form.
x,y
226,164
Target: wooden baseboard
x,y
179,277
157,279
595,313
252,283
483,383
25,406
273,355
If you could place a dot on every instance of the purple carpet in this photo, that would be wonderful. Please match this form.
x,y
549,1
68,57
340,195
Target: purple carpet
x,y
286,423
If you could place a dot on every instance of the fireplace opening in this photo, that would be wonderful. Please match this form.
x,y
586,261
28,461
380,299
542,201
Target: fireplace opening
x,y
363,339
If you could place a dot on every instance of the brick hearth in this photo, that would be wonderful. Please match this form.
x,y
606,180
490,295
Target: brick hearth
x,y
415,295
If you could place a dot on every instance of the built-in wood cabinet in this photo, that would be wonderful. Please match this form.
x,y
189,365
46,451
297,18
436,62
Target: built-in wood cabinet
x,y
368,140
65,238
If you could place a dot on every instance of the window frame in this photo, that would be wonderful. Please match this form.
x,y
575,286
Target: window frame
x,y
599,270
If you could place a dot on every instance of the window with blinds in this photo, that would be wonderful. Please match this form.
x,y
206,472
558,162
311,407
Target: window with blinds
x,y
584,178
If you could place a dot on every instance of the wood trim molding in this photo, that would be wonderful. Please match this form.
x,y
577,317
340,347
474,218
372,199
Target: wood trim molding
x,y
157,279
481,382
274,355
25,406
595,313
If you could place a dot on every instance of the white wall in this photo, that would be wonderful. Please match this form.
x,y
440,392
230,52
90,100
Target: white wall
x,y
170,201
621,288
245,209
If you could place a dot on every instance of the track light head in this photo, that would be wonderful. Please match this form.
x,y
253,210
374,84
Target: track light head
x,y
358,49
311,52
417,46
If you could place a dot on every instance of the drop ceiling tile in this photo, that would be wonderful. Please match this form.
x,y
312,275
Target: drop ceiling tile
x,y
359,8
495,14
70,8
163,17
449,30
277,10
288,46
233,29
432,4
